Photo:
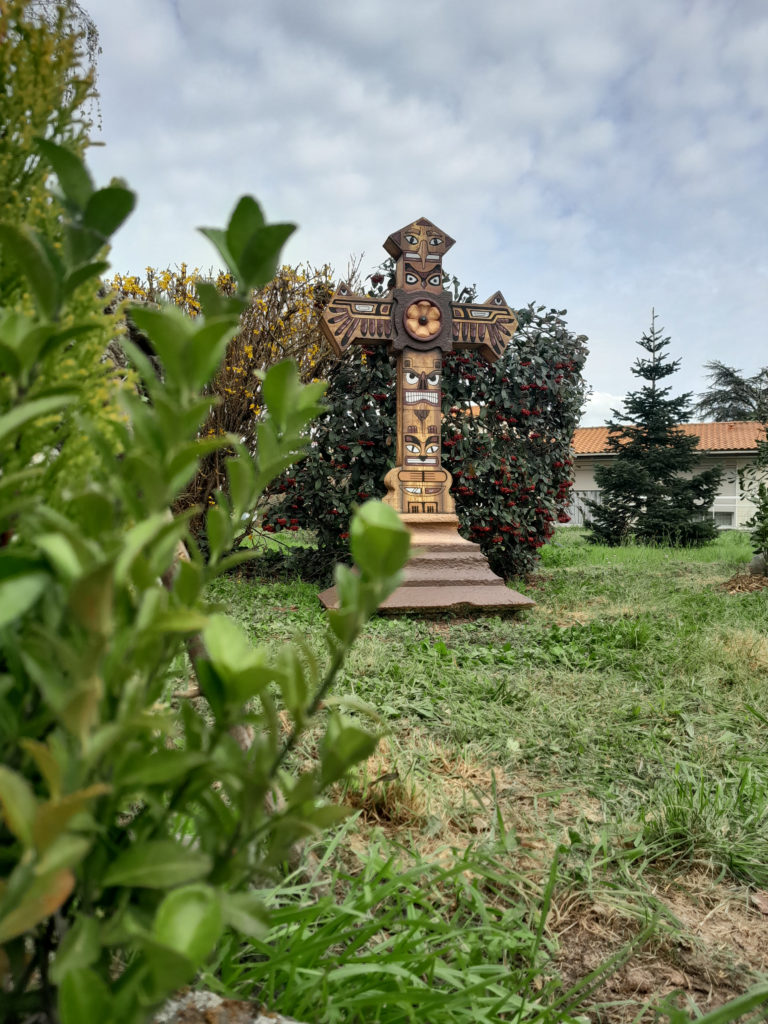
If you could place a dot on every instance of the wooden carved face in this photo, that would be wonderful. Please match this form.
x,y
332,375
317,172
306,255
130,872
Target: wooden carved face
x,y
421,383
424,246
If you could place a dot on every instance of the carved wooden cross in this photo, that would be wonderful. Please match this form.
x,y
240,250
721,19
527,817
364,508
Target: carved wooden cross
x,y
418,321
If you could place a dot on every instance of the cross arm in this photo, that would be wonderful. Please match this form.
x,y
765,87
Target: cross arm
x,y
486,327
352,318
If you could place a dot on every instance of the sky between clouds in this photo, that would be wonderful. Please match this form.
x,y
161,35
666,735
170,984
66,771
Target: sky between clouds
x,y
603,157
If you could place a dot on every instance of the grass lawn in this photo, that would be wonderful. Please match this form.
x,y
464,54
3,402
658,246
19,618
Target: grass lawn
x,y
567,817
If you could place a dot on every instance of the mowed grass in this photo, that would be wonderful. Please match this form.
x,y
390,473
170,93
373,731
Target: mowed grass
x,y
619,726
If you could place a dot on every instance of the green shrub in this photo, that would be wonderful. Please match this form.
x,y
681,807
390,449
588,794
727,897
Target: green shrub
x,y
758,523
511,463
133,833
46,87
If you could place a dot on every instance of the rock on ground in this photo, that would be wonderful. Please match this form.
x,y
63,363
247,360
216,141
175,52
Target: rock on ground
x,y
208,1008
758,566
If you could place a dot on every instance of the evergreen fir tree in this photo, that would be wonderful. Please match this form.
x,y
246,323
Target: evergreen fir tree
x,y
647,489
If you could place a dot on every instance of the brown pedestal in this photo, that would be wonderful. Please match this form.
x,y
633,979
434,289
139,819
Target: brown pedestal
x,y
445,571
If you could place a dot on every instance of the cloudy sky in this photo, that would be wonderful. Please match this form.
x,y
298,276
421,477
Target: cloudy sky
x,y
602,157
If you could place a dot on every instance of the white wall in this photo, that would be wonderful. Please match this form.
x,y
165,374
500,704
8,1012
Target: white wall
x,y
729,508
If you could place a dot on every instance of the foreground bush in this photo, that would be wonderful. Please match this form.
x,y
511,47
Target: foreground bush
x,y
133,833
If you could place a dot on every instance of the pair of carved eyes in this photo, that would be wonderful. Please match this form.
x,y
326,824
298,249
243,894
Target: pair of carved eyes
x,y
413,240
435,279
414,449
413,378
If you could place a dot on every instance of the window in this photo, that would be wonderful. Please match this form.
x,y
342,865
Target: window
x,y
723,519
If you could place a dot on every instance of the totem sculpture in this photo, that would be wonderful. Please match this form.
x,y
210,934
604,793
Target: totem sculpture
x,y
418,321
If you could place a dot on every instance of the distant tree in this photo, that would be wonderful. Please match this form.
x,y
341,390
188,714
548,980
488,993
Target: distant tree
x,y
644,491
731,395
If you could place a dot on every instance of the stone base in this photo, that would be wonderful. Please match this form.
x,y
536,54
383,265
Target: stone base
x,y
445,572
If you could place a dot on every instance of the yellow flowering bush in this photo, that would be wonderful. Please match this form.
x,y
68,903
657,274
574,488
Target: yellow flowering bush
x,y
282,321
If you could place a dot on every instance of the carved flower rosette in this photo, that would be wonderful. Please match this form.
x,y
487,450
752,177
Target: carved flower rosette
x,y
423,320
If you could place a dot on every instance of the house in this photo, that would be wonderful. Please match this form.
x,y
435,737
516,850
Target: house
x,y
732,446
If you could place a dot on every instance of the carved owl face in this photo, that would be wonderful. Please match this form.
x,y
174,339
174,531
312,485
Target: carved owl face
x,y
420,248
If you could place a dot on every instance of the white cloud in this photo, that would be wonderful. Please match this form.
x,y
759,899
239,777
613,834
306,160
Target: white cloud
x,y
599,409
601,157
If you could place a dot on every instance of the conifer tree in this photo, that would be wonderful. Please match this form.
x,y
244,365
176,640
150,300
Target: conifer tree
x,y
647,489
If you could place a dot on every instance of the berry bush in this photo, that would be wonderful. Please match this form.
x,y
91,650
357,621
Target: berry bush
x,y
507,431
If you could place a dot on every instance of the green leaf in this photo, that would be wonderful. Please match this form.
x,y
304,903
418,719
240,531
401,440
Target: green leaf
x,y
81,245
19,593
345,744
18,803
67,851
227,644
77,277
157,864
189,921
136,539
242,483
31,410
219,238
243,669
245,221
52,817
108,208
258,262
188,582
46,763
279,389
22,244
218,527
79,948
169,330
91,600
43,897
208,346
180,620
61,555
9,361
84,998
169,970
75,181
379,540
245,912
162,766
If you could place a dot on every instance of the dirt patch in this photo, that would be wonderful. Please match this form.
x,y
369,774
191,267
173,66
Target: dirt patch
x,y
730,920
747,646
630,984
713,948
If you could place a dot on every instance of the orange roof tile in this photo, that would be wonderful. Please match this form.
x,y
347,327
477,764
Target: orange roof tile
x,y
740,435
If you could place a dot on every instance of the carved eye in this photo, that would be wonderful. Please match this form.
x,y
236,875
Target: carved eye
x,y
411,377
411,239
436,240
435,279
433,380
432,449
411,279
412,448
